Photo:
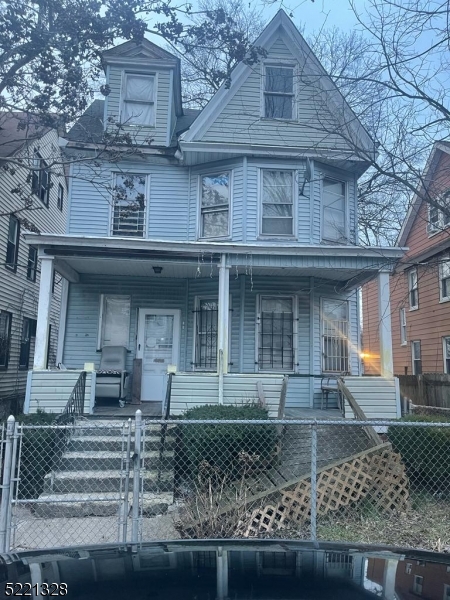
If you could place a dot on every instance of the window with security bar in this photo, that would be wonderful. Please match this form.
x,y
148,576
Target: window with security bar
x,y
206,334
128,205
335,328
276,351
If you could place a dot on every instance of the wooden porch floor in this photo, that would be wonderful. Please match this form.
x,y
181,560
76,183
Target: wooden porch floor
x,y
148,409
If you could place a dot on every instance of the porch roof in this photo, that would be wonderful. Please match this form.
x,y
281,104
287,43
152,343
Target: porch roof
x,y
75,255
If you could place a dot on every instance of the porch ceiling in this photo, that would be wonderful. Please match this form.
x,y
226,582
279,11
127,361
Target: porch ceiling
x,y
200,269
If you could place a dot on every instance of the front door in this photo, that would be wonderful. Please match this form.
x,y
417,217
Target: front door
x,y
158,345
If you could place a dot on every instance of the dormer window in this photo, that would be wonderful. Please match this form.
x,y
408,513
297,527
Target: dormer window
x,y
278,92
138,100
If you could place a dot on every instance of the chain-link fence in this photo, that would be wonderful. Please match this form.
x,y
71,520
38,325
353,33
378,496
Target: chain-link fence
x,y
100,481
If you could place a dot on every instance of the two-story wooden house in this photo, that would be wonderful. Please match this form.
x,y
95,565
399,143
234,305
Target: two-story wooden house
x,y
420,285
239,262
33,193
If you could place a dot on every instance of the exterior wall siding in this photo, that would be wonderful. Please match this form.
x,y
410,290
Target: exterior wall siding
x,y
50,391
18,295
240,120
370,335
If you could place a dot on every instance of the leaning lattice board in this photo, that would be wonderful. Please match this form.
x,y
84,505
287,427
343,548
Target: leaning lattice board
x,y
379,474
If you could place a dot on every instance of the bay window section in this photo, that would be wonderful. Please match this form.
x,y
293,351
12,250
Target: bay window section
x,y
276,319
334,216
277,203
335,330
129,205
114,325
138,100
215,205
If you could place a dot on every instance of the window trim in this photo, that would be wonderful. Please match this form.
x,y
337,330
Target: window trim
x,y
8,349
416,583
146,209
324,299
294,298
346,237
34,269
440,224
60,201
410,288
13,266
278,236
444,353
413,360
36,186
230,204
197,299
403,327
443,298
101,318
281,64
25,366
123,88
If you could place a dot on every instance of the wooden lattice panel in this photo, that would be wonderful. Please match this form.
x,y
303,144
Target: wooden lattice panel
x,y
336,487
381,476
390,483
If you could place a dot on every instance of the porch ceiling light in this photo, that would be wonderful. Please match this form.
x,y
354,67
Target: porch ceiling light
x,y
157,270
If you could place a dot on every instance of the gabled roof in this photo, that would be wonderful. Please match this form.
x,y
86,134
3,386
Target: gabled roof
x,y
438,149
301,50
17,129
143,49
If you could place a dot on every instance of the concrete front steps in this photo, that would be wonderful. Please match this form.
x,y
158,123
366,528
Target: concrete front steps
x,y
90,477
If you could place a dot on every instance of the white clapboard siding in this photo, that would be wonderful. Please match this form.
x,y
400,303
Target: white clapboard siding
x,y
378,397
189,390
50,390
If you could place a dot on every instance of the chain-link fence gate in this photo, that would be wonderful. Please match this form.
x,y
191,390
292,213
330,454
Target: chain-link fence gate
x,y
384,482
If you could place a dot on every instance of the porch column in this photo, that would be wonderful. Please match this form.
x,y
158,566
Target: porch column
x,y
43,317
223,316
384,325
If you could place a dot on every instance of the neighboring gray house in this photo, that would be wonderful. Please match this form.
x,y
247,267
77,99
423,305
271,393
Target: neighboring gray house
x,y
240,260
43,190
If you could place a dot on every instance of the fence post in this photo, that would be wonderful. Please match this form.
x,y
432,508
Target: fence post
x,y
136,479
14,482
314,481
126,468
6,483
222,573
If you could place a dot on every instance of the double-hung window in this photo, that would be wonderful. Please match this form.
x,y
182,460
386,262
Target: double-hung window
x,y
60,197
277,203
416,357
40,178
403,332
418,585
335,329
439,219
206,319
114,323
129,205
12,244
27,342
32,263
215,205
444,279
446,353
334,227
413,289
138,99
276,320
5,338
278,92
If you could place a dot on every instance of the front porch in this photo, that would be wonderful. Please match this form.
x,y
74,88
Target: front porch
x,y
230,326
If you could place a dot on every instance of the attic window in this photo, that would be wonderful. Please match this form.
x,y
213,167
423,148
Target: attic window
x,y
278,92
138,103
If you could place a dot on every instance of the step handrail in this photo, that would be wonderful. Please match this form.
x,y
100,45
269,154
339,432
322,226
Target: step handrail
x,y
358,412
75,404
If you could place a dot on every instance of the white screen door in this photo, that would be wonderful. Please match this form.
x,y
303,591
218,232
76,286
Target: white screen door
x,y
158,345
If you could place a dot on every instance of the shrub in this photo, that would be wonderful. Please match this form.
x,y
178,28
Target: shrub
x,y
227,449
425,450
